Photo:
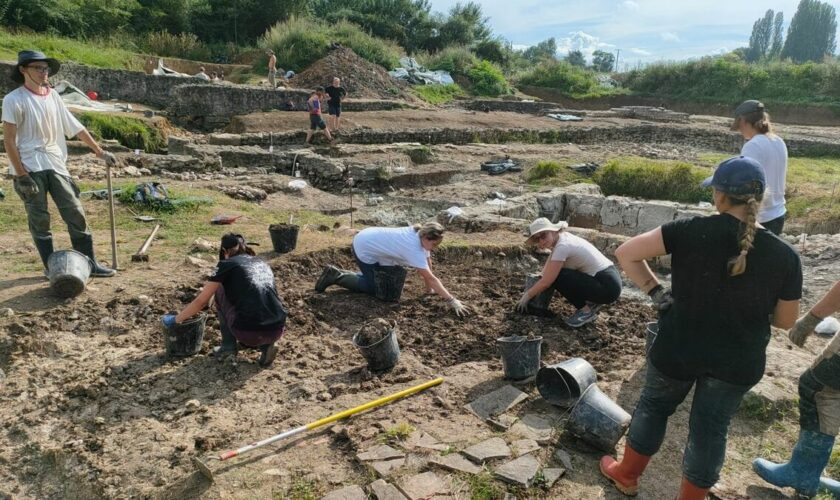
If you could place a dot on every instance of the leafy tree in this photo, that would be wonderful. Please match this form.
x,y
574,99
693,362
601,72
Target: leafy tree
x,y
778,36
812,32
493,50
466,25
575,58
547,49
761,38
603,61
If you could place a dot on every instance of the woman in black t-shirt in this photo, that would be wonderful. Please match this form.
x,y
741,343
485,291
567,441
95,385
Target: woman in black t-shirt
x,y
249,309
729,277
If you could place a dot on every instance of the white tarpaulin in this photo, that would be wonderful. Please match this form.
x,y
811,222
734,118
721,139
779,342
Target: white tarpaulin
x,y
412,72
75,98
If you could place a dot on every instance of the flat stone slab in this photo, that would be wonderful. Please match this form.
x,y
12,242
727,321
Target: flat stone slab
x,y
502,422
383,490
456,463
381,452
534,427
487,450
423,486
520,472
564,458
552,475
420,439
385,468
354,492
524,446
496,402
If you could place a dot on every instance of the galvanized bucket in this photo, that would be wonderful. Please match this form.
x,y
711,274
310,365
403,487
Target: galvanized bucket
x,y
69,272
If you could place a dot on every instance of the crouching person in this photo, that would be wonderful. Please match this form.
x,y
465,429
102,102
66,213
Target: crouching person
x,y
819,411
249,309
576,269
375,247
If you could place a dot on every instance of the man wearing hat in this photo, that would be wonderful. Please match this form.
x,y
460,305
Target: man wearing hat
x,y
35,124
768,149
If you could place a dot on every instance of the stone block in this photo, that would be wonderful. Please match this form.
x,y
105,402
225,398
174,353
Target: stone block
x,y
520,472
383,490
583,210
552,475
496,402
381,452
423,486
653,215
354,492
534,427
487,450
523,447
225,139
455,463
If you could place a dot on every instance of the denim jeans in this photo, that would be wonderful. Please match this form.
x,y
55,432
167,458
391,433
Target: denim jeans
x,y
819,392
580,288
714,404
366,283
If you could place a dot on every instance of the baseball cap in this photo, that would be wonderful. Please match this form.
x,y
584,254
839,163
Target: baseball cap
x,y
747,107
738,175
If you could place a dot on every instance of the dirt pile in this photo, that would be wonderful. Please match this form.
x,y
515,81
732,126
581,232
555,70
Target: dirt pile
x,y
374,331
361,78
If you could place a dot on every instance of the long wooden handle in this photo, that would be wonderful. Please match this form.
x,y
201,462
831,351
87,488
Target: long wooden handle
x,y
114,263
148,242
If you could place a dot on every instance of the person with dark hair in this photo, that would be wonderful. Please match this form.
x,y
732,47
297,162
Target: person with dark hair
x,y
770,151
385,246
248,306
819,411
316,121
35,124
731,280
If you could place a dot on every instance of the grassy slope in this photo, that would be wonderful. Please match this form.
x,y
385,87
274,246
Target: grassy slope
x,y
67,49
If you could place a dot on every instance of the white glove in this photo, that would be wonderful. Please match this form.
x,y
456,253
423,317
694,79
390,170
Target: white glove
x,y
109,158
459,308
803,327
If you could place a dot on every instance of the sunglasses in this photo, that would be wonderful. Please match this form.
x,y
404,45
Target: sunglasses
x,y
40,69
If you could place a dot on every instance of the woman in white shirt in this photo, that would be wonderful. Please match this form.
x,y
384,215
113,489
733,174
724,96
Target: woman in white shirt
x,y
384,246
768,149
576,269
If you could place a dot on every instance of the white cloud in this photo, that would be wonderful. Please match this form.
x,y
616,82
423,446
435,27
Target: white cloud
x,y
640,52
669,36
629,5
584,42
519,46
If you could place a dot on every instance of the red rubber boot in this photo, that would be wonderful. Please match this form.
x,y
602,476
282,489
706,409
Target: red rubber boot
x,y
625,474
688,491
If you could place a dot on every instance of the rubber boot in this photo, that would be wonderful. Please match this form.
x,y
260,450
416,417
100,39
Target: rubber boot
x,y
625,474
229,346
45,249
831,486
802,472
269,352
349,281
690,491
85,246
328,277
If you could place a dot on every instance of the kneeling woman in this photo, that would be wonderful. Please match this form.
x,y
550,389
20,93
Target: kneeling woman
x,y
249,309
384,246
576,269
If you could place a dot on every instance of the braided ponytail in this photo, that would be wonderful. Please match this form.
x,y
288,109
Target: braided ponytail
x,y
738,264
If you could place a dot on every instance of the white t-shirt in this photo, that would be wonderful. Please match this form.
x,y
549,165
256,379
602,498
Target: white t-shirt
x,y
579,254
770,151
398,246
42,124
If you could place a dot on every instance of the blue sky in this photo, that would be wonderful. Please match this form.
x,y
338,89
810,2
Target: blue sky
x,y
644,30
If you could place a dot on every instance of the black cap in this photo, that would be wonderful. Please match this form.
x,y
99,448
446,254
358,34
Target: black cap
x,y
738,175
747,107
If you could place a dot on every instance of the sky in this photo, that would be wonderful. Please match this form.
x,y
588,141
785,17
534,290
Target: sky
x,y
642,31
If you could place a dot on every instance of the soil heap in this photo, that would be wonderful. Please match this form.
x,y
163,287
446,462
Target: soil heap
x,y
361,78
374,331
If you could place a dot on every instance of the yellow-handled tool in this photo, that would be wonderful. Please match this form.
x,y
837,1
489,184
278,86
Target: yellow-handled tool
x,y
318,423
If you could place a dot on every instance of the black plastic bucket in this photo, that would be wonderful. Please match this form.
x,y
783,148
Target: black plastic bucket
x,y
598,420
383,354
68,272
563,384
283,237
520,356
388,282
651,332
184,339
542,301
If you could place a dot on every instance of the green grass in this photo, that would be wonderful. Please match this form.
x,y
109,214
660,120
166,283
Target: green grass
x,y
653,180
302,489
133,133
484,487
399,432
551,173
94,53
439,94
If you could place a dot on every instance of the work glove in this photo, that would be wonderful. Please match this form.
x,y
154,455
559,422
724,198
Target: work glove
x,y
109,158
168,320
459,308
522,305
26,186
661,298
803,327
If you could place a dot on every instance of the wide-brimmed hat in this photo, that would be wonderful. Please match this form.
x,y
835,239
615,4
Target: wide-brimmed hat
x,y
542,224
27,56
738,175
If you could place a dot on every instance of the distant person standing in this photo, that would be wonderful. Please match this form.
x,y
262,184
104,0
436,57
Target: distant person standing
x,y
272,68
768,149
316,121
202,74
336,93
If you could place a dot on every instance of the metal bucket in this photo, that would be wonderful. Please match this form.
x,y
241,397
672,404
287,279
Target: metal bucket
x,y
69,272
520,356
598,420
383,354
563,384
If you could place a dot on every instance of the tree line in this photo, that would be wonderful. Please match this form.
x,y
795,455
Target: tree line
x,y
811,35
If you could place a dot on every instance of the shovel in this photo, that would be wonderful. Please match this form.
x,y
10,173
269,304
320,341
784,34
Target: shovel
x,y
206,472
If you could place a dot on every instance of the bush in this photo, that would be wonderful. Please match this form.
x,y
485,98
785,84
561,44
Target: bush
x,y
543,170
376,50
173,204
456,60
130,132
487,80
570,80
182,45
653,180
439,94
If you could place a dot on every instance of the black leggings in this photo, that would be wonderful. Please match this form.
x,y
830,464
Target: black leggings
x,y
580,288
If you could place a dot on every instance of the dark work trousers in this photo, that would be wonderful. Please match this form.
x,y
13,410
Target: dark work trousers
x,y
714,404
65,195
776,225
226,313
819,392
366,279
580,288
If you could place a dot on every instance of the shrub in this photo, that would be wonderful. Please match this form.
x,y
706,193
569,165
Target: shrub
x,y
376,50
173,204
439,94
542,170
653,180
131,132
570,80
182,45
487,79
456,60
